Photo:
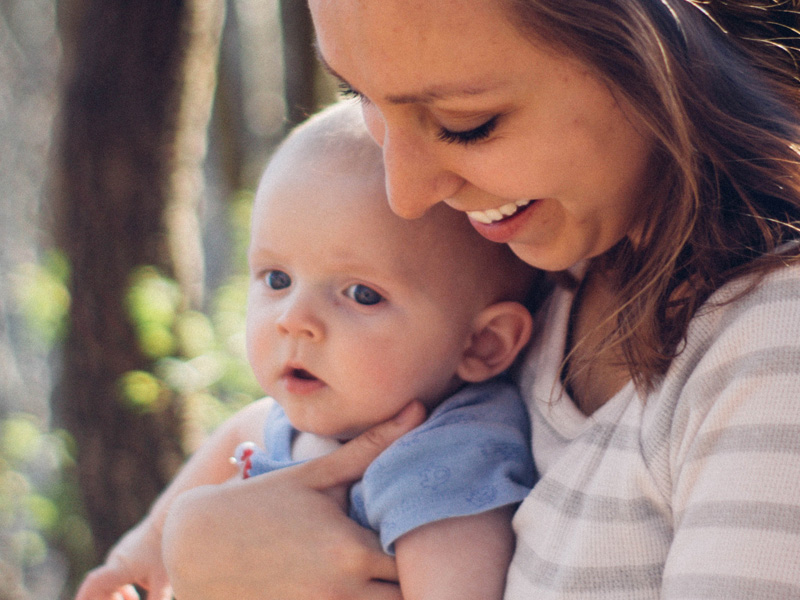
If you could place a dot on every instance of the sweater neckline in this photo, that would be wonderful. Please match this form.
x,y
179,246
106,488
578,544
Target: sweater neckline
x,y
540,377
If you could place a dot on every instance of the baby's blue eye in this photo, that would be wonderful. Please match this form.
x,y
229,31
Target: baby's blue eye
x,y
277,280
363,294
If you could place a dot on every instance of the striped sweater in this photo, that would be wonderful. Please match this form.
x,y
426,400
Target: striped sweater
x,y
690,492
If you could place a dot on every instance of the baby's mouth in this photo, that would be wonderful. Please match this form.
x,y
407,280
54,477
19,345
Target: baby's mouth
x,y
301,374
493,215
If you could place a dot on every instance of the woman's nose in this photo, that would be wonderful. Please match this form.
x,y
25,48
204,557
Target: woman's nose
x,y
300,319
416,178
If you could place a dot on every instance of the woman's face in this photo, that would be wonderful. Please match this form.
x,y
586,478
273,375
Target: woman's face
x,y
527,141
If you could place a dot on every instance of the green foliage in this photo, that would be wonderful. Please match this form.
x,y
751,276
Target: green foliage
x,y
239,213
43,298
198,357
152,302
41,519
141,390
40,514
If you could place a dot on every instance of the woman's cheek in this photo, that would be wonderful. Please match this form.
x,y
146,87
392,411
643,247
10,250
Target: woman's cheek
x,y
374,122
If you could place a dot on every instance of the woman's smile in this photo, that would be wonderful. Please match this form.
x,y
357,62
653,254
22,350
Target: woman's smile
x,y
492,215
502,229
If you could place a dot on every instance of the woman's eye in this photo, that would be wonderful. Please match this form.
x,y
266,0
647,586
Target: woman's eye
x,y
277,280
363,294
477,134
347,91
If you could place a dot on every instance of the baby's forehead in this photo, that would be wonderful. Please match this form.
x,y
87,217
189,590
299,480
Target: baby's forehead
x,y
442,245
343,180
351,186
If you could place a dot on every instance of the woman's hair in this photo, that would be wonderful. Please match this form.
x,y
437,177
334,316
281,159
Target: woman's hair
x,y
717,83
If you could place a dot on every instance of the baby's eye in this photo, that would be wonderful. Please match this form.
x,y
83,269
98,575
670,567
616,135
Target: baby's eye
x,y
363,294
277,280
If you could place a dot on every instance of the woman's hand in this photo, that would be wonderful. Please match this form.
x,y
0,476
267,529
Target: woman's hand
x,y
284,534
136,558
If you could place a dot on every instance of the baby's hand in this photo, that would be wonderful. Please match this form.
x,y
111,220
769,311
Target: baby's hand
x,y
135,559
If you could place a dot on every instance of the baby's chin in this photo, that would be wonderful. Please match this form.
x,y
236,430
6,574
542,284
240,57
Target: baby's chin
x,y
322,423
342,437
339,434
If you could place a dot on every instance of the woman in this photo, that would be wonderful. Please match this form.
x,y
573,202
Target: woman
x,y
647,153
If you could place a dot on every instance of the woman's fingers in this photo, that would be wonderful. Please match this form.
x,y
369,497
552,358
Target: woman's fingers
x,y
380,590
373,561
383,567
284,533
348,463
126,593
103,583
160,590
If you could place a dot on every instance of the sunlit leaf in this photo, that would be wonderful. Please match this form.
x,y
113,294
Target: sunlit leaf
x,y
20,439
140,389
43,512
195,333
152,298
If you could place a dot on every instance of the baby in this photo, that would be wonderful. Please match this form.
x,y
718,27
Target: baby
x,y
352,313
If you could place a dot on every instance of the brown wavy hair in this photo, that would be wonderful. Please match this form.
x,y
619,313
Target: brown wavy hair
x,y
718,85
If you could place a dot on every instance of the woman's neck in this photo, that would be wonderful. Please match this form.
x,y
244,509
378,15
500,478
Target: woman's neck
x,y
594,372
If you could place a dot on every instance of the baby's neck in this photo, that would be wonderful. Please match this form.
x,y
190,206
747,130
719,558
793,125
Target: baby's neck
x,y
308,445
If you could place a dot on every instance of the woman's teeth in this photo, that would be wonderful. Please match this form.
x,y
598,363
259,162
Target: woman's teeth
x,y
492,215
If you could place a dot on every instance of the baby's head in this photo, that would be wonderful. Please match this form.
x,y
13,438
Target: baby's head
x,y
353,311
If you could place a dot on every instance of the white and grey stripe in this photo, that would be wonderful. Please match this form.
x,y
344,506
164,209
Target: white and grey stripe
x,y
692,492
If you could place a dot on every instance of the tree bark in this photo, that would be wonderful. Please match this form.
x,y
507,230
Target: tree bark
x,y
119,125
299,60
187,187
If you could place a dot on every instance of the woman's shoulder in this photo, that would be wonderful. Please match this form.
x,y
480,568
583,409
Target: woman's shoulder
x,y
739,363
749,315
755,308
782,281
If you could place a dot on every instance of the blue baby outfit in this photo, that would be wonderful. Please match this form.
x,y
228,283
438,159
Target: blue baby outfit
x,y
471,455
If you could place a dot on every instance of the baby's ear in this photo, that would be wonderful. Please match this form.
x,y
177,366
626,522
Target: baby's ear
x,y
500,331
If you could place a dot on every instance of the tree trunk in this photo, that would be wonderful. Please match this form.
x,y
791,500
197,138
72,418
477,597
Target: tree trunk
x,y
187,182
299,60
119,129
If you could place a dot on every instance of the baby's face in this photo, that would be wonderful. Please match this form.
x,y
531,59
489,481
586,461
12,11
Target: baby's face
x,y
352,311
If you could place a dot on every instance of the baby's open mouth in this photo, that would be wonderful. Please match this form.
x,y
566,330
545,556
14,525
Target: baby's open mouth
x,y
301,374
298,373
300,381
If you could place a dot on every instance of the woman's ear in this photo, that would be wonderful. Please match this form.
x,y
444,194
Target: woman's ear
x,y
499,332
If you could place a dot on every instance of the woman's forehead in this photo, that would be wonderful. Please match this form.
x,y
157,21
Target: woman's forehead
x,y
416,51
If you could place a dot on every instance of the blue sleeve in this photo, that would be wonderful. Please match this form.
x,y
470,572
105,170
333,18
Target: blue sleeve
x,y
471,455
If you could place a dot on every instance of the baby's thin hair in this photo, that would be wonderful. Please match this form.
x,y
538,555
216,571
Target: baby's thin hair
x,y
337,131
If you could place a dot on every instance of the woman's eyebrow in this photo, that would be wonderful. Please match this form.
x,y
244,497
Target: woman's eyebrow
x,y
426,96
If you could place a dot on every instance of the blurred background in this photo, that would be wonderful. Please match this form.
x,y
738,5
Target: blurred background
x,y
132,135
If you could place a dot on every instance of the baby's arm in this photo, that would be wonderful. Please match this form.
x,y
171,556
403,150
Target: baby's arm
x,y
459,558
136,558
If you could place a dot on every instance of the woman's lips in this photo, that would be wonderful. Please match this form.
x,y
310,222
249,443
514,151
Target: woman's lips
x,y
502,230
